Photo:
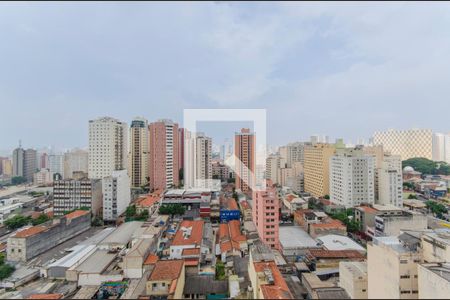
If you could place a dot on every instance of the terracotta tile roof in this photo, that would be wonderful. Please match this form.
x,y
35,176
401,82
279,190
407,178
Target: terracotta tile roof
x,y
191,251
279,289
321,253
46,296
76,214
30,231
151,259
232,205
230,236
332,223
166,270
367,209
148,200
245,205
189,233
290,197
191,262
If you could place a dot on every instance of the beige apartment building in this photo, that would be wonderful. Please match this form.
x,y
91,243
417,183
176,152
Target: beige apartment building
x,y
392,269
406,143
434,281
353,278
139,152
317,168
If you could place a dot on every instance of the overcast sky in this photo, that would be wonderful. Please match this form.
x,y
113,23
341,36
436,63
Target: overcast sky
x,y
339,69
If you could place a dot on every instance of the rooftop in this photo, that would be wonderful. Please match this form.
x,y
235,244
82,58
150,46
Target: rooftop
x,y
278,289
166,270
357,268
339,242
46,296
151,259
122,234
329,223
320,253
148,200
97,262
204,284
30,231
190,232
76,214
295,237
440,269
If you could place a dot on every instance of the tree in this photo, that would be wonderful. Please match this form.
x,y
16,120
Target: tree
x,y
5,271
412,196
426,166
220,270
327,197
18,180
41,219
437,209
17,222
172,209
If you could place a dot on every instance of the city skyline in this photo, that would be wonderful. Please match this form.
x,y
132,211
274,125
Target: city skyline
x,y
286,59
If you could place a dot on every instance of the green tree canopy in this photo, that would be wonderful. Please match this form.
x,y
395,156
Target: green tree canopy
x,y
172,209
17,222
18,180
426,166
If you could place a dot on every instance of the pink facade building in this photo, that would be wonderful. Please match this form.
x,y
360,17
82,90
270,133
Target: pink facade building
x,y
163,158
244,149
43,163
265,213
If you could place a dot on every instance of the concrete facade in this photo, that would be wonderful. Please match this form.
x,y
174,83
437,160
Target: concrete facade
x,y
116,194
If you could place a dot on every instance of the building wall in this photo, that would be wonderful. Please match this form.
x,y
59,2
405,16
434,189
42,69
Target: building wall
x,y
108,147
352,281
265,213
34,245
116,194
139,152
72,194
164,150
352,177
317,170
406,143
75,160
390,181
385,266
434,250
431,285
244,149
391,226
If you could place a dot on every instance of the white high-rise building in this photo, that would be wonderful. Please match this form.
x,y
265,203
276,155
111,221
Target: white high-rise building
x,y
75,160
406,143
441,147
352,177
197,162
139,152
273,165
116,194
293,152
56,164
108,147
390,182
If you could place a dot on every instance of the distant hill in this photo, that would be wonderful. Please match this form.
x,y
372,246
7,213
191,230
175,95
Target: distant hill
x,y
426,166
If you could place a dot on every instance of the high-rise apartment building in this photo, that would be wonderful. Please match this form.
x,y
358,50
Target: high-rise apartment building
x,y
75,160
274,163
181,145
108,147
244,150
69,194
24,163
198,160
116,194
139,152
293,152
352,177
390,182
164,150
43,161
56,164
441,147
317,168
406,143
6,166
265,214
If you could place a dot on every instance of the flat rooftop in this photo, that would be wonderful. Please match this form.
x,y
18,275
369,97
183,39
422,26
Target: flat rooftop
x,y
97,262
296,237
339,242
443,270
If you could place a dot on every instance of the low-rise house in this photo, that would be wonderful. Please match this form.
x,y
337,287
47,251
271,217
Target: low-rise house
x,y
230,240
30,242
133,262
246,210
166,280
328,226
148,203
45,296
188,236
204,287
293,202
318,289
